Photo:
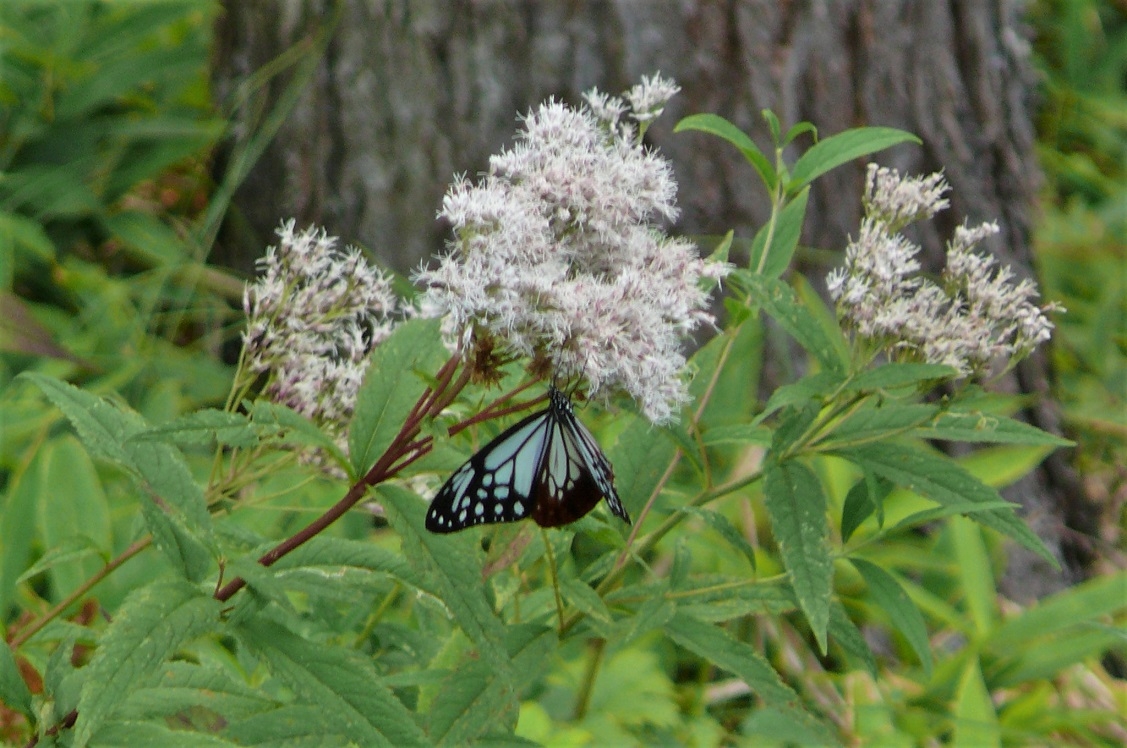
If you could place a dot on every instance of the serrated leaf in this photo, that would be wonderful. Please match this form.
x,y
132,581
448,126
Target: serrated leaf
x,y
338,681
182,687
780,301
451,563
587,601
811,387
902,612
945,482
721,649
204,427
797,508
476,698
722,128
13,689
640,455
391,387
184,532
296,429
897,375
838,149
987,427
741,434
150,626
869,424
724,527
154,735
291,726
966,508
330,558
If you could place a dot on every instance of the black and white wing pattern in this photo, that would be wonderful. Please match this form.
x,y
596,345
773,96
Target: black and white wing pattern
x,y
548,467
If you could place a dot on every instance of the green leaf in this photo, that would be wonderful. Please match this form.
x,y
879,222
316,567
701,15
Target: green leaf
x,y
987,427
13,690
717,647
972,560
334,558
780,301
722,128
587,601
1064,613
62,551
838,149
896,375
150,626
18,523
877,421
477,699
172,503
148,237
338,681
295,429
965,508
901,611
945,482
741,434
392,386
291,726
773,261
976,721
204,427
208,690
865,497
640,455
154,735
452,563
73,505
797,508
724,527
849,638
812,387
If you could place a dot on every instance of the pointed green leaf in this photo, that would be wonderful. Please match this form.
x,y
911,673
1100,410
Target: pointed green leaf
x,y
976,720
724,527
902,612
150,626
292,726
987,427
452,562
719,648
722,128
846,634
838,149
13,689
797,508
339,681
780,301
945,482
392,385
865,497
204,427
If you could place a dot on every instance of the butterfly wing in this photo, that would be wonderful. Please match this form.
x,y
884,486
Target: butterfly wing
x,y
575,473
496,484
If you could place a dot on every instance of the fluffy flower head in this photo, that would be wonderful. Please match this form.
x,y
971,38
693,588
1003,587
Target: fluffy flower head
x,y
976,317
313,316
558,255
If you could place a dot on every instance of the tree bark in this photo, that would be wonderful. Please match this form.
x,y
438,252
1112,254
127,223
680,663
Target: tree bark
x,y
407,94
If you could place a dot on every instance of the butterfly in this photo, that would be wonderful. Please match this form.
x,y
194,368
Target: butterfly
x,y
548,467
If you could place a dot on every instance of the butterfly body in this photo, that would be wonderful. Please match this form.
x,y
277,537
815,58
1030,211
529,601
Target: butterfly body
x,y
547,466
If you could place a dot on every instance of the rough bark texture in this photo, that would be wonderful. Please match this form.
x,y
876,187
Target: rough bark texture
x,y
410,93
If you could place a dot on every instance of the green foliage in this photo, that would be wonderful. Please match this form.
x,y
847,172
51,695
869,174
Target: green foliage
x,y
246,605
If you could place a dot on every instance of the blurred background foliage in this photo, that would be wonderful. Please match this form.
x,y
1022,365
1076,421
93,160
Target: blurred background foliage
x,y
107,131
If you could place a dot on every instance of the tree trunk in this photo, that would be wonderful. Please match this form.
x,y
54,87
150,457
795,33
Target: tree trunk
x,y
407,94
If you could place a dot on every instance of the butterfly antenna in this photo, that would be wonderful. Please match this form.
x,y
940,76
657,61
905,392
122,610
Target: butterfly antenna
x,y
555,576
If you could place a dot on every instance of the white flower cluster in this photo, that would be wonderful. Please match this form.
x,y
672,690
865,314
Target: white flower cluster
x,y
974,319
313,316
558,255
